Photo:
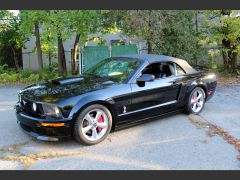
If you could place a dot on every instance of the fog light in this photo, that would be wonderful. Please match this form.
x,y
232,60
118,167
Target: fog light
x,y
52,124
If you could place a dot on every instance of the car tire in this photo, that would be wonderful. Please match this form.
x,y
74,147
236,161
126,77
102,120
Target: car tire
x,y
195,105
87,120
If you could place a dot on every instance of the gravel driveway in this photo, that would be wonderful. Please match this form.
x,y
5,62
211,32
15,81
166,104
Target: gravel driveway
x,y
174,142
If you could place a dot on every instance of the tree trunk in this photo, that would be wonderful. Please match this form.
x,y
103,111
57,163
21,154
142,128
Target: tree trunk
x,y
225,60
75,53
49,55
197,31
149,46
149,42
226,54
15,57
19,58
38,46
49,59
234,61
61,58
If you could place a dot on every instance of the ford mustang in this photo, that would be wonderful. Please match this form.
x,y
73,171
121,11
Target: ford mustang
x,y
117,92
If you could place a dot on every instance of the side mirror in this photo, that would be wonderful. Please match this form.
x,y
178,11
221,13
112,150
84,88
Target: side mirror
x,y
145,78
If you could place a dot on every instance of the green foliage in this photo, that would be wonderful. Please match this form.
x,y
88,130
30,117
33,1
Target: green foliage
x,y
177,33
166,32
11,40
29,18
49,73
23,77
27,76
221,29
3,68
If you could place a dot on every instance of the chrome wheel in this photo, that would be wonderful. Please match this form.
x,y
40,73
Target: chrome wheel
x,y
94,125
197,101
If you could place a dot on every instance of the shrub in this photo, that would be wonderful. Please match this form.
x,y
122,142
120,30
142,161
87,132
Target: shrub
x,y
24,74
3,68
13,77
49,73
8,76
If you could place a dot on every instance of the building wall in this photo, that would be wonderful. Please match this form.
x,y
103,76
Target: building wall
x,y
30,57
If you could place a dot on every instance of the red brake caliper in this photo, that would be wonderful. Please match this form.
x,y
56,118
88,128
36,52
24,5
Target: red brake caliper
x,y
193,97
100,120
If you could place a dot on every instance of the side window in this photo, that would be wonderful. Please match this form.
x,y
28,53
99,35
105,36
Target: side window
x,y
159,70
179,70
153,69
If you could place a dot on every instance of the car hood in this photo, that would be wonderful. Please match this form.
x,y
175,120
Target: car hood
x,y
63,88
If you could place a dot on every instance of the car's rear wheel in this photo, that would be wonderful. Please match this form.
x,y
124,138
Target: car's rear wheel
x,y
196,101
93,125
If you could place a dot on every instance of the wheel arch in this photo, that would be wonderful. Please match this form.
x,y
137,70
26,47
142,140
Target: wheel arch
x,y
204,89
109,106
191,87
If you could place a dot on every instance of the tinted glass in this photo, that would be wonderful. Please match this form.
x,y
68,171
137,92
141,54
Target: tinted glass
x,y
179,70
116,69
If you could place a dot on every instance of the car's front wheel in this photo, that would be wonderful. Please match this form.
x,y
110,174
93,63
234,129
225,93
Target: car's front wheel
x,y
93,125
196,101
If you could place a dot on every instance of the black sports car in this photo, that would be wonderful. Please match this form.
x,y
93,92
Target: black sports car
x,y
117,92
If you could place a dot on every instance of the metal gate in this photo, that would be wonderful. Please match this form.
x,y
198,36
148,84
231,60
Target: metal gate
x,y
91,55
123,50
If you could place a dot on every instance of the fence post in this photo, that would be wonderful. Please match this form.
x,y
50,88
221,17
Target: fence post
x,y
139,48
110,51
80,60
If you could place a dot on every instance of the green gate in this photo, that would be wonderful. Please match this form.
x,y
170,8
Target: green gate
x,y
124,50
93,55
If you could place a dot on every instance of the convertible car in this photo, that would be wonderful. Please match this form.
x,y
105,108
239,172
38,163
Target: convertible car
x,y
115,93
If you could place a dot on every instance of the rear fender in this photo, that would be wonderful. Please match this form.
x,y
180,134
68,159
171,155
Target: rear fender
x,y
193,85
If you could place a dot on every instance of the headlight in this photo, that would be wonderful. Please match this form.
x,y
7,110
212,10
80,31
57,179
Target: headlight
x,y
34,107
52,110
19,98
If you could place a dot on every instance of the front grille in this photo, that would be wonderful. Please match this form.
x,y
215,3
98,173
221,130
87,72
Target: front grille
x,y
26,104
27,107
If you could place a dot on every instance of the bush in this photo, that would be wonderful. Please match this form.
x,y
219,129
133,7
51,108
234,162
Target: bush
x,y
3,68
50,73
22,77
24,74
8,76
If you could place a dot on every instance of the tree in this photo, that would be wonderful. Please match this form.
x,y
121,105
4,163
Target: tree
x,y
80,23
221,28
58,25
31,21
11,40
165,32
83,23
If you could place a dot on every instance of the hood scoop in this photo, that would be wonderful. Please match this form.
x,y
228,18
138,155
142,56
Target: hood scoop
x,y
67,80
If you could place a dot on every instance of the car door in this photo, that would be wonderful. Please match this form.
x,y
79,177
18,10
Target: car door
x,y
156,97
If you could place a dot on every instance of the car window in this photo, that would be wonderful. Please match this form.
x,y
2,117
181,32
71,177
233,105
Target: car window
x,y
159,70
179,70
116,69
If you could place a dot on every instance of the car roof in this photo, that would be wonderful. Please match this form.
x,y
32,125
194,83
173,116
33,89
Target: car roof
x,y
154,58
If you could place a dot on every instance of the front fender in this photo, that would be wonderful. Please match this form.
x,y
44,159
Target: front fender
x,y
91,99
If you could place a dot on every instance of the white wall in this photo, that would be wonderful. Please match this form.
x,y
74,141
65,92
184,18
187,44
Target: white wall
x,y
30,57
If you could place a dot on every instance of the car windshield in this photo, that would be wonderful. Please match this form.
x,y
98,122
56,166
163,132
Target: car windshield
x,y
115,69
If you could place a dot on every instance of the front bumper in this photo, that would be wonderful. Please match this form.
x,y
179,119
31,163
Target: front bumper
x,y
31,125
